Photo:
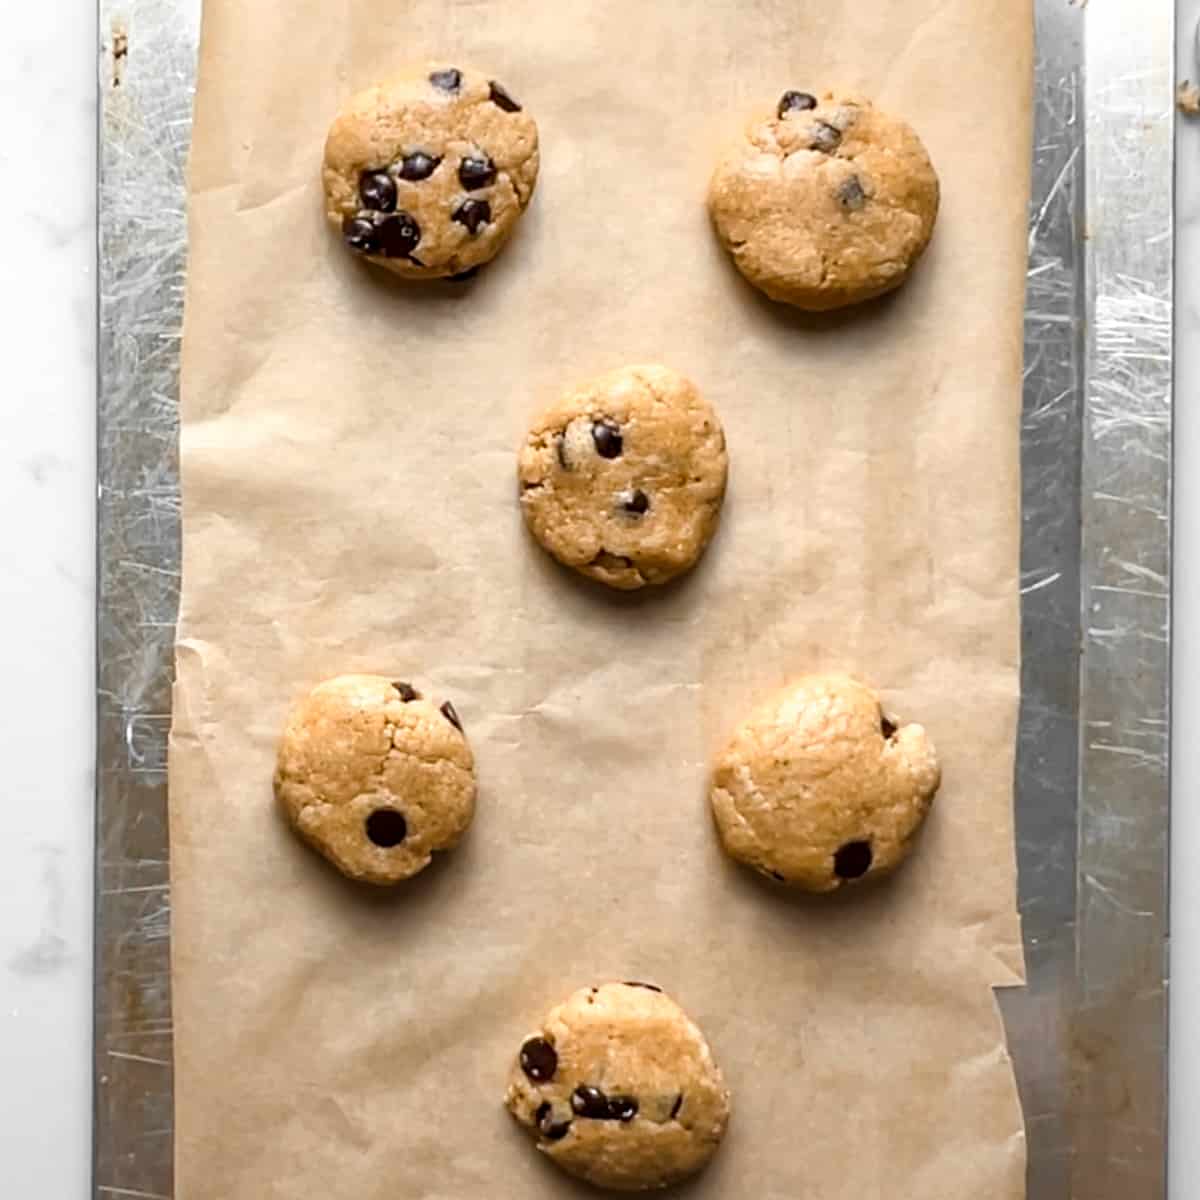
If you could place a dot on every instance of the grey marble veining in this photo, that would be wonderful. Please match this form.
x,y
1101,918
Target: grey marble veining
x,y
47,498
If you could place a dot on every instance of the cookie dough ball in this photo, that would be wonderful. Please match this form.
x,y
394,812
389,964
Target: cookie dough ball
x,y
825,202
623,478
427,173
819,788
620,1088
375,776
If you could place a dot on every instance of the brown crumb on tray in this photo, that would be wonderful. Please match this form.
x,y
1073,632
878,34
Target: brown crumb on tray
x,y
1187,97
120,52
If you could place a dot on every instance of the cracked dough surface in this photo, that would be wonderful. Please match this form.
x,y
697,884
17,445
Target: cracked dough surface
x,y
817,774
827,205
382,127
354,747
623,478
625,1046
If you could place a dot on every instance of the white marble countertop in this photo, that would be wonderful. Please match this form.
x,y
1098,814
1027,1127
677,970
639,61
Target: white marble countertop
x,y
47,491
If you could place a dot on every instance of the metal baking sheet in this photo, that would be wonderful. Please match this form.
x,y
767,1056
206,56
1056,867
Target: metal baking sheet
x,y
1088,1033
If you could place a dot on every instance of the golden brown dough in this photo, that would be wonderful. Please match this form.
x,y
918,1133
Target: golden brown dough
x,y
818,788
620,1088
623,478
375,776
825,201
427,173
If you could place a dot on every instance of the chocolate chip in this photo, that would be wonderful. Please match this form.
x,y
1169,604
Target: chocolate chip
x,y
588,1101
447,80
501,98
886,727
386,828
447,711
650,987
378,191
408,693
622,1108
539,1059
476,173
469,273
825,137
398,236
676,1106
417,166
635,503
607,436
777,875
474,214
560,448
851,195
791,102
550,1128
360,234
853,860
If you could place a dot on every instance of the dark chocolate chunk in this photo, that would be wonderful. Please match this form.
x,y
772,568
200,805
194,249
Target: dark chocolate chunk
x,y
607,436
851,195
386,828
777,875
398,236
825,137
447,711
500,97
551,1129
886,727
447,80
791,102
469,273
407,692
539,1059
650,987
853,860
635,503
588,1101
378,191
622,1108
417,166
676,1106
560,448
476,173
360,234
474,214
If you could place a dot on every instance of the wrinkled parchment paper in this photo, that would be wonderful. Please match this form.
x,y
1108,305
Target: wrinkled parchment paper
x,y
350,505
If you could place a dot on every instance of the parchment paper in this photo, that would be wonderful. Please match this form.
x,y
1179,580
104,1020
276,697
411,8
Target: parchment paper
x,y
350,504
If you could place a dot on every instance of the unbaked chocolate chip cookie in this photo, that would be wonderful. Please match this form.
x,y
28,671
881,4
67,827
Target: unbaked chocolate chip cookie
x,y
375,776
427,173
819,788
623,478
620,1088
825,201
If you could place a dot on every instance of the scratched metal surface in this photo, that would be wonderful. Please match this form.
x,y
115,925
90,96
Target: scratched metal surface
x,y
1088,1034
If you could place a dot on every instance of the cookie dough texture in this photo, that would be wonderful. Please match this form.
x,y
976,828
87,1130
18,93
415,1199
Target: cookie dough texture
x,y
623,478
427,173
619,1087
818,788
375,776
825,201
